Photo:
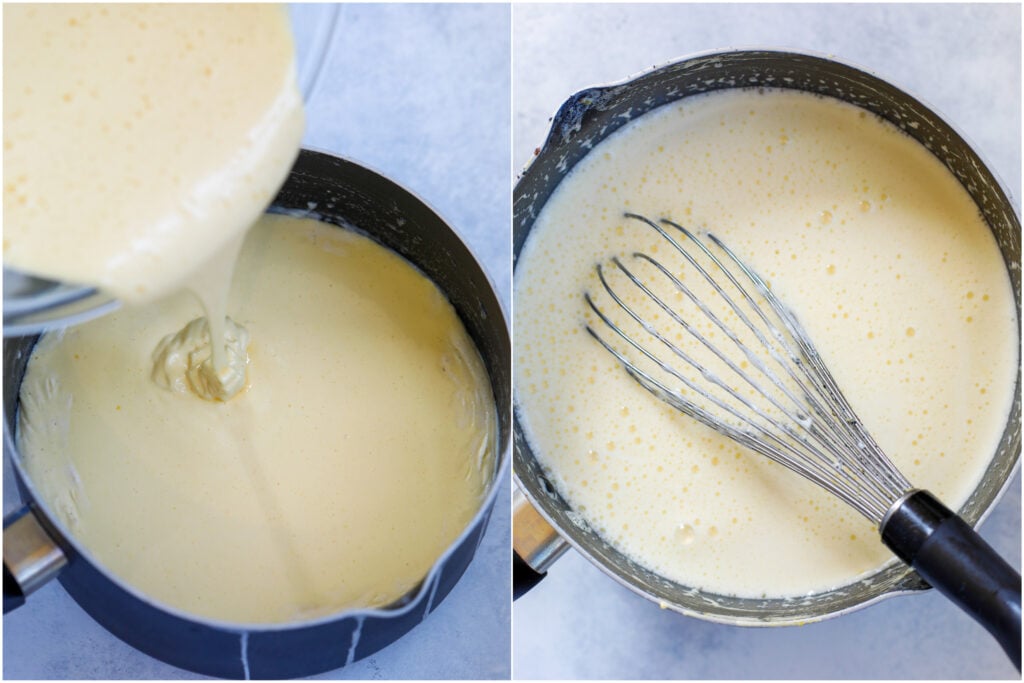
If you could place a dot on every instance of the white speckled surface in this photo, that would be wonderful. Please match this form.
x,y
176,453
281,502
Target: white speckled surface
x,y
421,94
965,61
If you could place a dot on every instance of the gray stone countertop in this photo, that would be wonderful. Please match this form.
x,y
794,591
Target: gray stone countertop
x,y
962,59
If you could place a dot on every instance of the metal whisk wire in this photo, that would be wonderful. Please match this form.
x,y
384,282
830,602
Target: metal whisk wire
x,y
788,407
806,425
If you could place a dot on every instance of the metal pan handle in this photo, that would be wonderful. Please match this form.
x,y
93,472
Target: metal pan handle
x,y
535,545
31,557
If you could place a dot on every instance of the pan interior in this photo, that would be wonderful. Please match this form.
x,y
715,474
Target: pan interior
x,y
492,331
594,114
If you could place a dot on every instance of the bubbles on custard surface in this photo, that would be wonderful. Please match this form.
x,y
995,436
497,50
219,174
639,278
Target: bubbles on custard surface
x,y
768,205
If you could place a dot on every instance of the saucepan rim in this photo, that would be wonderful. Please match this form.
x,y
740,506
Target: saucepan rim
x,y
412,600
906,583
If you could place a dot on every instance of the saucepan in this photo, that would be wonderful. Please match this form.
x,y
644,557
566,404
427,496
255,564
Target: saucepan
x,y
545,525
37,546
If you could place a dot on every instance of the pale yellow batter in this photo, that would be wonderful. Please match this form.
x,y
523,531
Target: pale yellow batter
x,y
360,450
141,141
314,452
868,238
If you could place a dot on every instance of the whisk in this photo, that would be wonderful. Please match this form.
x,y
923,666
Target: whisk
x,y
766,387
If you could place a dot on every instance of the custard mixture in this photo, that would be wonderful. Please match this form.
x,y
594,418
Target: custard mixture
x,y
141,141
359,450
874,245
316,451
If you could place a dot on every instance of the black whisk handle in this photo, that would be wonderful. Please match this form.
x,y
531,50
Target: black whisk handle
x,y
955,560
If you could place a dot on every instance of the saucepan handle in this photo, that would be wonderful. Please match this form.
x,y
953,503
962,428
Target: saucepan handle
x,y
31,557
535,545
524,577
954,559
14,597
